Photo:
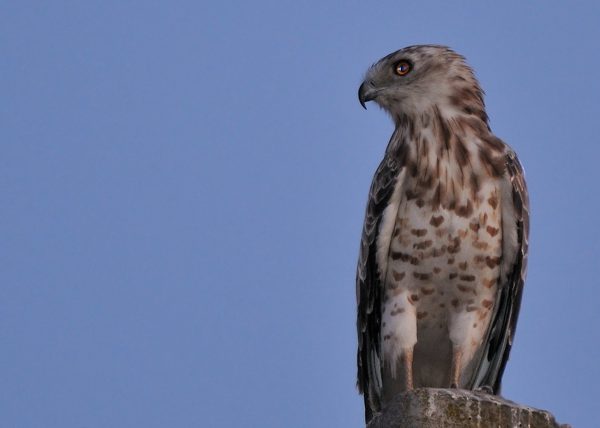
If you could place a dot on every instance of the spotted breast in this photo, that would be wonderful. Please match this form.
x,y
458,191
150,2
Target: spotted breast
x,y
442,266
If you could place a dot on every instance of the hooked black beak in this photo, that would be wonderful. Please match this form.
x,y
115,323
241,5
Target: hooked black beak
x,y
366,93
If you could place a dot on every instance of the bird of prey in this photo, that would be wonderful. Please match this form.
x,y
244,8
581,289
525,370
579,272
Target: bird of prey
x,y
444,244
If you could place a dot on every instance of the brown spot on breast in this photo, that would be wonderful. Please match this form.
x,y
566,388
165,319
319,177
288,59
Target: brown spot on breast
x,y
493,231
450,260
413,298
492,262
454,302
454,247
465,210
427,291
386,337
468,278
442,305
397,255
493,201
436,220
489,283
475,325
474,226
421,315
397,311
420,203
466,288
479,259
398,276
487,303
422,276
436,270
480,245
462,266
423,244
452,275
419,232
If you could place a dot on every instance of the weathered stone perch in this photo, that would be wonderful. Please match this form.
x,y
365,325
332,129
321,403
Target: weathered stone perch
x,y
456,408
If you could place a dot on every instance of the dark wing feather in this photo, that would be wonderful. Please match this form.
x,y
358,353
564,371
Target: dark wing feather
x,y
368,286
503,325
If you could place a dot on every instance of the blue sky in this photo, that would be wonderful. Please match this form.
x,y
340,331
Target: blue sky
x,y
183,187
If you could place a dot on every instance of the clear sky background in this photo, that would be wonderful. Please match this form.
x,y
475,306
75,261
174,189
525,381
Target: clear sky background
x,y
183,188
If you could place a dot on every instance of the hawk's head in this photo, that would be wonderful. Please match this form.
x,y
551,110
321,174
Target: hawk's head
x,y
416,79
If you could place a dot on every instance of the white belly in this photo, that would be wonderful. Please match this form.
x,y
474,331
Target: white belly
x,y
440,273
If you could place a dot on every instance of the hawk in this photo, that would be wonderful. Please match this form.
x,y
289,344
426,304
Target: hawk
x,y
444,244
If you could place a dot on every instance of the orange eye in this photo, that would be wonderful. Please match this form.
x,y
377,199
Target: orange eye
x,y
402,68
